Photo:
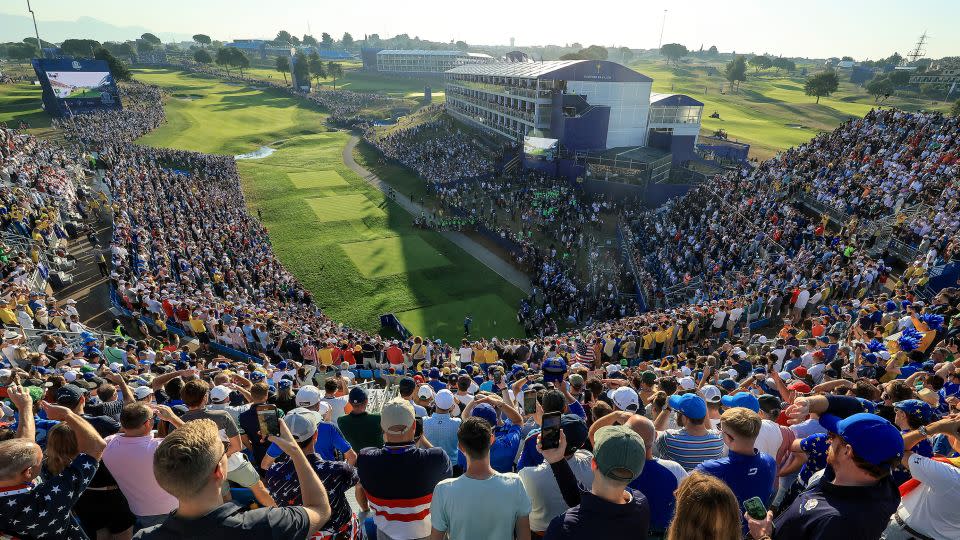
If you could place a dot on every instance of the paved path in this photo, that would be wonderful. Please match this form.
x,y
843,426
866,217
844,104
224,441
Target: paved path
x,y
490,259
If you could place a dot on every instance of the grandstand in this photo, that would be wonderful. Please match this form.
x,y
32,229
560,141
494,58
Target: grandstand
x,y
419,62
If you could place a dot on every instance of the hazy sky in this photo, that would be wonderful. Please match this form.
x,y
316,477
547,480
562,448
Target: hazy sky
x,y
811,28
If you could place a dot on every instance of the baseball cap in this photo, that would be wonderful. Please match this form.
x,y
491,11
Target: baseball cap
x,y
575,429
407,385
741,399
873,439
443,399
800,371
799,386
576,380
142,392
929,396
220,394
357,395
710,393
690,405
687,383
626,399
486,412
425,392
308,396
553,369
302,423
728,385
915,407
397,416
648,377
619,453
69,395
769,403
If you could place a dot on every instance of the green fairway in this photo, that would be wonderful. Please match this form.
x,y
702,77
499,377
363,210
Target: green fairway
x,y
770,112
207,115
21,103
356,252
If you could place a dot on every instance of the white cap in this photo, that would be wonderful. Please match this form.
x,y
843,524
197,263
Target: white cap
x,y
220,394
473,388
685,371
626,399
710,394
5,373
70,375
302,423
425,391
142,392
308,396
687,383
785,375
762,339
733,374
444,399
613,368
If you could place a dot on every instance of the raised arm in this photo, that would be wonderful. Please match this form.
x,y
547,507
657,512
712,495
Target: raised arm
x,y
312,492
88,440
26,427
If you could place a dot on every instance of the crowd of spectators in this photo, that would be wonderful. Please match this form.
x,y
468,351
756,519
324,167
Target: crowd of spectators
x,y
841,421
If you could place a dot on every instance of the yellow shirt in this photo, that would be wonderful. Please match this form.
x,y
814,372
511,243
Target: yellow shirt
x,y
325,356
197,325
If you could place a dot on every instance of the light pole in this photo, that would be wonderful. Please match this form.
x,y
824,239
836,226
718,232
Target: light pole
x,y
35,31
662,25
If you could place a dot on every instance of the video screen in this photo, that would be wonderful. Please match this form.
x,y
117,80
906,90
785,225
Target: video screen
x,y
79,84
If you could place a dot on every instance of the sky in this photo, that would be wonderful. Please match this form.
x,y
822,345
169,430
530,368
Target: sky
x,y
809,28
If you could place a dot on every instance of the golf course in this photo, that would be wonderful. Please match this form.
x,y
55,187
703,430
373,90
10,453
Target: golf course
x,y
357,252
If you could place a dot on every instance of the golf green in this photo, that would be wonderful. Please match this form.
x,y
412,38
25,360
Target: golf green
x,y
343,207
393,255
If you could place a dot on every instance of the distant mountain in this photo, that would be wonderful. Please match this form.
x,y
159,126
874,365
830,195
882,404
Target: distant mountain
x,y
17,27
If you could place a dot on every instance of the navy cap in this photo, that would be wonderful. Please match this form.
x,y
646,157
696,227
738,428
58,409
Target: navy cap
x,y
728,384
575,430
868,406
486,412
257,375
358,395
434,373
690,405
741,399
70,395
282,364
285,383
873,439
553,369
916,407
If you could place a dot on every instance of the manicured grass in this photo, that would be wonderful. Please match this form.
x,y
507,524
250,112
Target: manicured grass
x,y
316,179
386,256
343,208
447,318
770,111
21,103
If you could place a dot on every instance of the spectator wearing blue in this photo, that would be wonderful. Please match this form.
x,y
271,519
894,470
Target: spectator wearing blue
x,y
441,429
749,472
329,441
435,381
855,495
693,443
911,415
770,438
506,434
551,401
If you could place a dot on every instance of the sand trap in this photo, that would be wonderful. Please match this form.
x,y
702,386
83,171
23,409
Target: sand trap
x,y
187,97
796,126
259,153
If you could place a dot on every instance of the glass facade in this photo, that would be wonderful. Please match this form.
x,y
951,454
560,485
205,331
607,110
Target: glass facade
x,y
675,115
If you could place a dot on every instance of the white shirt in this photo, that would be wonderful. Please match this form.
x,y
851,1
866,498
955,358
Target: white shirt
x,y
769,439
802,299
931,509
337,405
466,355
545,499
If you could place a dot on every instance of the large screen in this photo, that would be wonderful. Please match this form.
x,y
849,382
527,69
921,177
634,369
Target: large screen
x,y
540,148
76,86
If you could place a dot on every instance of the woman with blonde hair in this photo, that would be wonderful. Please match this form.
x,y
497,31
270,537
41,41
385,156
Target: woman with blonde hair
x,y
706,510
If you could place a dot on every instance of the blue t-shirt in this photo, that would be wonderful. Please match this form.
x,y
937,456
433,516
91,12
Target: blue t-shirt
x,y
657,483
329,442
747,475
503,451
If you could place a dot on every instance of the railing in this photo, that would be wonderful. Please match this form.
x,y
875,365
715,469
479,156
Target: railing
x,y
34,337
818,206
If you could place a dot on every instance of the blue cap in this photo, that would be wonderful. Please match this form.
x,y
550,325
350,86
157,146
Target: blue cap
x,y
257,375
223,365
434,373
282,364
916,407
478,379
358,395
873,439
553,369
868,406
728,384
285,383
741,399
760,370
690,405
487,412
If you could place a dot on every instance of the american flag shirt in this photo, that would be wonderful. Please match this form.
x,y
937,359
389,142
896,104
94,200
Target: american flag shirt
x,y
337,477
42,510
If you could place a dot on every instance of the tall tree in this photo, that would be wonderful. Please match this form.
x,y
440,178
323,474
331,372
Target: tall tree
x,y
201,56
880,87
79,47
760,62
626,54
202,39
326,41
784,64
713,52
152,39
301,70
240,60
334,70
315,67
144,46
283,66
117,68
736,72
120,49
595,52
674,52
21,51
347,40
309,40
821,84
224,57
283,37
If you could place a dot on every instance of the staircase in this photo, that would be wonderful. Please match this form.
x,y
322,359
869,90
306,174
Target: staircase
x,y
512,167
884,234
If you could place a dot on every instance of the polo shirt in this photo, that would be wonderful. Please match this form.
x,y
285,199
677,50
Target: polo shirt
x,y
361,430
503,451
657,482
597,518
399,481
329,442
747,475
231,522
130,460
337,477
688,450
544,492
441,430
832,512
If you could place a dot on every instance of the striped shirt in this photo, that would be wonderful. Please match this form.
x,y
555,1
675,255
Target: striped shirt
x,y
688,450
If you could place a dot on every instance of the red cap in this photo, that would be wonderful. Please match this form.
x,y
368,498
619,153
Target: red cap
x,y
800,386
800,371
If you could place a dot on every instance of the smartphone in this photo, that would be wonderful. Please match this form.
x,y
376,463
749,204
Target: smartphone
x,y
269,419
550,434
529,402
755,508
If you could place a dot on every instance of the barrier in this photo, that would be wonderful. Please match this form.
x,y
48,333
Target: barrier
x,y
389,320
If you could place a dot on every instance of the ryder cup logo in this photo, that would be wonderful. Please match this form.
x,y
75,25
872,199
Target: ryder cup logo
x,y
75,65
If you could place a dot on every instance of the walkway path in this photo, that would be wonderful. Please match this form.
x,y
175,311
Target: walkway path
x,y
490,259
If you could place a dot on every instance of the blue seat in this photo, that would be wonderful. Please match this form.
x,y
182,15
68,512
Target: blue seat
x,y
365,373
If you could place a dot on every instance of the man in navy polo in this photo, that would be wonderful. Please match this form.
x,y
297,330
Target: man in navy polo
x,y
749,472
854,496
